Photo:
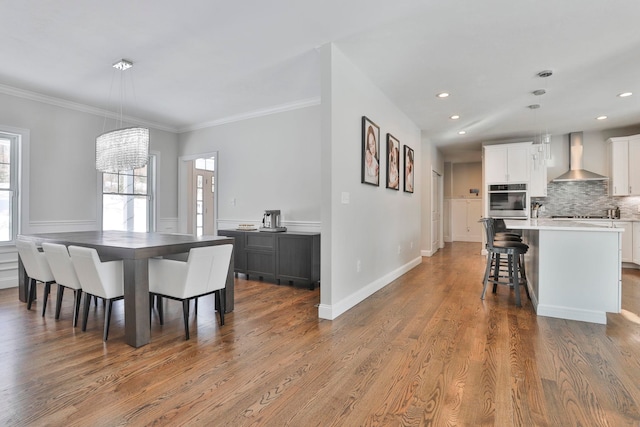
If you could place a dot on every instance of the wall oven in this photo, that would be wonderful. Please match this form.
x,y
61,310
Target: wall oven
x,y
508,201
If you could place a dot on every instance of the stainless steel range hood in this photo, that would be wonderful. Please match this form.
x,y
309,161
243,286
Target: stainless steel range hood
x,y
576,172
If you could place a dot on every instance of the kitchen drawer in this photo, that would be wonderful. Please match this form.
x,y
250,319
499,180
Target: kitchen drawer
x,y
260,241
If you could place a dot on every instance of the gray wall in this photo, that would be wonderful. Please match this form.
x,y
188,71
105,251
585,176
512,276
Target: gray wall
x,y
62,192
268,162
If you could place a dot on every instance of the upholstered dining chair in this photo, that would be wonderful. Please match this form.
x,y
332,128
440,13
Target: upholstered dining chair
x,y
65,275
101,279
37,268
204,273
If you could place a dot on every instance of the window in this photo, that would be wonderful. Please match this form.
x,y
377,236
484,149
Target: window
x,y
8,186
127,199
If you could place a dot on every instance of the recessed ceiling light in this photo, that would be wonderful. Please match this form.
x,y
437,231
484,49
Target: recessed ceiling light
x,y
625,94
533,106
545,73
454,117
462,132
539,92
601,118
442,95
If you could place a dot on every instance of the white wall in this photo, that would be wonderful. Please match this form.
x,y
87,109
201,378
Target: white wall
x,y
268,162
377,223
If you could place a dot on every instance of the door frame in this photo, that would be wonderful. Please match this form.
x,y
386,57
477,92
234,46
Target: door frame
x,y
183,182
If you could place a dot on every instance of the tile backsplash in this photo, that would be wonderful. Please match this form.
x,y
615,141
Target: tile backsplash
x,y
585,198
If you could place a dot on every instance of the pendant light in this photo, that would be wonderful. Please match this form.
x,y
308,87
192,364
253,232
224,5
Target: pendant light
x,y
125,148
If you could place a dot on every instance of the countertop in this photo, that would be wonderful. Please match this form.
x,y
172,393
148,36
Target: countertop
x,y
560,225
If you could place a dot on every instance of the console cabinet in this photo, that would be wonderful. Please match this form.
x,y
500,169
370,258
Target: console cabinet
x,y
290,256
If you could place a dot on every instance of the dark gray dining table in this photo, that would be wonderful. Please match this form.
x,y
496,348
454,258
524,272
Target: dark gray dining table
x,y
134,249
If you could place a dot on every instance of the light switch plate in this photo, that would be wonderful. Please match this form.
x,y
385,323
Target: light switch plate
x,y
344,198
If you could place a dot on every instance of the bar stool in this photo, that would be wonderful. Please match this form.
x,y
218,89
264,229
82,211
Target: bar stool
x,y
514,250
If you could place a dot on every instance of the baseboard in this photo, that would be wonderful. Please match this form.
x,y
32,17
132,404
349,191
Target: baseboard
x,y
9,282
330,312
572,314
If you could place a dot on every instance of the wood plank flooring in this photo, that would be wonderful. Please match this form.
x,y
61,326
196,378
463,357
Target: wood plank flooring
x,y
424,351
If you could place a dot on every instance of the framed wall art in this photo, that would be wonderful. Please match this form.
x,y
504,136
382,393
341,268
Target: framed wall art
x,y
393,162
370,152
408,169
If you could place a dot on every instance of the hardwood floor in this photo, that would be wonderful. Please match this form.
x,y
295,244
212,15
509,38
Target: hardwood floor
x,y
425,350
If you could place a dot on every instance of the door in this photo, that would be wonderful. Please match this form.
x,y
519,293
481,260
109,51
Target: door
x,y
196,199
436,215
203,198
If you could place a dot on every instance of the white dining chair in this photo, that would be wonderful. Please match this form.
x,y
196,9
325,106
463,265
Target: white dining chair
x,y
65,275
101,279
37,269
204,272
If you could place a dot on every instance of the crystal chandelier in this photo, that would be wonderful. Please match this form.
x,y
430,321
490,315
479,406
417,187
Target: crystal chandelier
x,y
124,148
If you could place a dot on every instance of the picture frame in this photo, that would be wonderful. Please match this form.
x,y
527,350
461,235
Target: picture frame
x,y
408,169
393,162
370,152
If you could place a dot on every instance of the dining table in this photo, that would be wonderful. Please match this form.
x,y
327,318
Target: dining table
x,y
134,249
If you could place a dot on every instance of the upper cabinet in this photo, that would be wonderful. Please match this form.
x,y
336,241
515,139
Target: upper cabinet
x,y
624,156
507,163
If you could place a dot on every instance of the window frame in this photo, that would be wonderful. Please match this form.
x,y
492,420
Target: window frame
x,y
150,196
17,139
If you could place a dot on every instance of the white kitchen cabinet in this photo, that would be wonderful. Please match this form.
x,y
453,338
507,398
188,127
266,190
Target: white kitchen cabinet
x,y
507,163
465,214
624,157
538,177
627,240
636,242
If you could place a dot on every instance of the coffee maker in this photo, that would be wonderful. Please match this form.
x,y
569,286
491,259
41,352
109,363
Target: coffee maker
x,y
271,221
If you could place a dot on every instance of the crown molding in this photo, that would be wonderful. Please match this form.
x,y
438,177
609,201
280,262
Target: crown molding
x,y
254,114
63,103
59,102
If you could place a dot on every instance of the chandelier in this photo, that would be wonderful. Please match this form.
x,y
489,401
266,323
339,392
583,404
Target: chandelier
x,y
124,148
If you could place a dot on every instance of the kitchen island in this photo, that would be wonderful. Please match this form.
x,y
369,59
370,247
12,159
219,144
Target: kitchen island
x,y
573,269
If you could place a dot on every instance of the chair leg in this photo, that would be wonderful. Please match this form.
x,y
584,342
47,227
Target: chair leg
x,y
107,318
47,290
221,304
487,270
185,315
515,279
59,300
151,300
32,293
195,306
77,297
496,273
85,311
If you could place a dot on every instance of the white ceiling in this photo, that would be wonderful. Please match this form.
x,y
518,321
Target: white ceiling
x,y
201,62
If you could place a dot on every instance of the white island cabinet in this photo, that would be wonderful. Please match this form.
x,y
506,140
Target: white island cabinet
x,y
573,269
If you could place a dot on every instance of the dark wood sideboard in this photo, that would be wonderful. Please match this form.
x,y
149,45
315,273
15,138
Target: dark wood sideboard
x,y
290,256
